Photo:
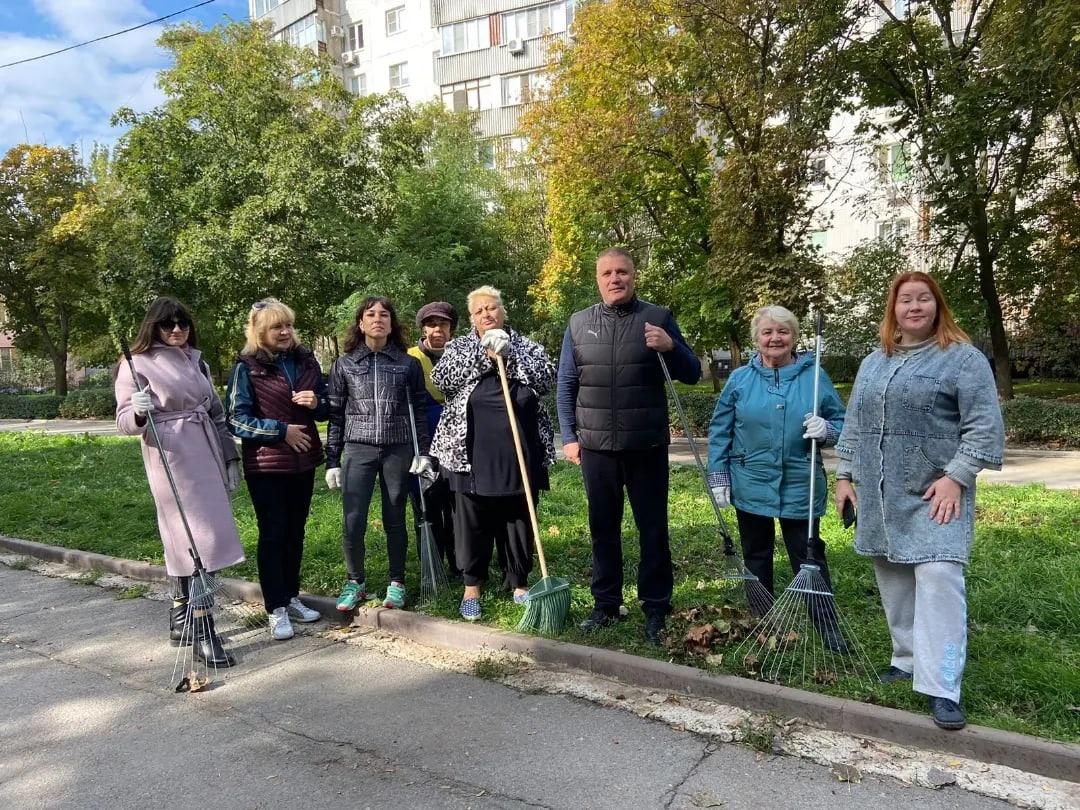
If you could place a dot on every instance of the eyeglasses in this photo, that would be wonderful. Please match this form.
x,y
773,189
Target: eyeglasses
x,y
259,305
169,324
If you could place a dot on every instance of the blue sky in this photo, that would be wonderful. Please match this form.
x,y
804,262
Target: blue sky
x,y
69,98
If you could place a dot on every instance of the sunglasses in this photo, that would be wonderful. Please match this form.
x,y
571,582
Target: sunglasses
x,y
169,324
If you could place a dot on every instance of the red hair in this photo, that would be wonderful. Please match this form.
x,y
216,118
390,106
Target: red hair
x,y
945,329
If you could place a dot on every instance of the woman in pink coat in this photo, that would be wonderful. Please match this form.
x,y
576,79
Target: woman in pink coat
x,y
174,387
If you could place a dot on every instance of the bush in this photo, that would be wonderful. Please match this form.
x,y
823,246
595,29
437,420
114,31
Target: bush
x,y
1045,421
841,368
89,403
29,406
699,410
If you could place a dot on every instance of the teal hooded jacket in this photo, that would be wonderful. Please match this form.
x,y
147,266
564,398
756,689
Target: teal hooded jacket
x,y
755,438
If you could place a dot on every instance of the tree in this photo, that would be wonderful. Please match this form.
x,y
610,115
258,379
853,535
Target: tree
x,y
46,273
242,183
685,129
973,85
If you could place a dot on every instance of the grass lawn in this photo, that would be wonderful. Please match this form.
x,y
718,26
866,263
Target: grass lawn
x,y
1023,670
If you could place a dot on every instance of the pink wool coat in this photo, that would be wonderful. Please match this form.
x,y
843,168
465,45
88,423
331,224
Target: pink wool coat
x,y
191,424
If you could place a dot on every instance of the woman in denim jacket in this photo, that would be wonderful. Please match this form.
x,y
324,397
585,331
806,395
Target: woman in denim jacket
x,y
369,436
922,420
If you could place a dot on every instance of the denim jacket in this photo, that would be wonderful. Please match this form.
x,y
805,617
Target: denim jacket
x,y
912,418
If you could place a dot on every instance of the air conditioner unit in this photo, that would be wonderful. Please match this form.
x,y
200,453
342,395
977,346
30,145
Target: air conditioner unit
x,y
349,57
337,31
516,46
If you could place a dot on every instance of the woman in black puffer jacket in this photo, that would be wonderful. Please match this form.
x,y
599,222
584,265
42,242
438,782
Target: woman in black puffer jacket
x,y
369,436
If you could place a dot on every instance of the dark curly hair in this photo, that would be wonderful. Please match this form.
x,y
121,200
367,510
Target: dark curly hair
x,y
355,336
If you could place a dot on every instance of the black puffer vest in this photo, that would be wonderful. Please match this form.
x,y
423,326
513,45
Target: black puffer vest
x,y
621,403
273,400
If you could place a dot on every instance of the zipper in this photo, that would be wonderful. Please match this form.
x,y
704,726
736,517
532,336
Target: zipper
x,y
375,377
614,370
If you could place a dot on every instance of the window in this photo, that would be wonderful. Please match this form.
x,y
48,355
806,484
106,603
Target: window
x,y
521,88
399,75
817,172
303,32
470,35
514,150
358,84
486,153
263,6
819,240
471,95
893,229
7,358
395,20
528,23
894,163
356,37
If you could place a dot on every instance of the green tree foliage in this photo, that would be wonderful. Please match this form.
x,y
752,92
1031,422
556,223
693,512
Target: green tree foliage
x,y
974,86
46,272
684,129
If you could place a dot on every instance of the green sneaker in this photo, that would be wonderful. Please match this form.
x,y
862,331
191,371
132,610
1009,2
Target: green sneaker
x,y
395,595
352,594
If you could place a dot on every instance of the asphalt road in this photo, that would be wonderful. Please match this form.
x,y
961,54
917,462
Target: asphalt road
x,y
87,720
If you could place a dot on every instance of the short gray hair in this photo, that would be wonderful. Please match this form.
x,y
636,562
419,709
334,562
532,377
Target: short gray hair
x,y
616,251
487,291
777,314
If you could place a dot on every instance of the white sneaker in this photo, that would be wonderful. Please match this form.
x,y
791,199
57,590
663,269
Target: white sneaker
x,y
280,626
301,612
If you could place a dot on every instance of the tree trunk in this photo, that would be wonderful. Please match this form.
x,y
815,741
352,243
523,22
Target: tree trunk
x,y
59,360
999,341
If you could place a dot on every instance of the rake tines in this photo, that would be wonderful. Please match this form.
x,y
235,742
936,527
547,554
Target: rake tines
x,y
433,579
803,638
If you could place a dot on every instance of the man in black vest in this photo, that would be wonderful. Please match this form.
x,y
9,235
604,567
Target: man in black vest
x,y
614,421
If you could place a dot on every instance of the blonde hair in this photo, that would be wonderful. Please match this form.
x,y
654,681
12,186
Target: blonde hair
x,y
264,316
487,291
776,314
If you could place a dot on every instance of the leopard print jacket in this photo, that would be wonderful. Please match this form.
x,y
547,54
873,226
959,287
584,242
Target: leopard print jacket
x,y
459,370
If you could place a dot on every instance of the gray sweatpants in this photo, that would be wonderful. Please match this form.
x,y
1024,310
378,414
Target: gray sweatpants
x,y
926,607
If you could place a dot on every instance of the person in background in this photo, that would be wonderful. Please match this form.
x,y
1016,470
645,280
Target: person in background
x,y
173,386
923,419
276,393
369,438
759,449
475,446
613,412
437,322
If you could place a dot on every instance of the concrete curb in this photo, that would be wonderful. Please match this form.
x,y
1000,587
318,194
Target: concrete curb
x,y
1033,754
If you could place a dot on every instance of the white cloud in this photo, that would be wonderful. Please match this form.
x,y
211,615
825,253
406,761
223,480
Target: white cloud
x,y
70,97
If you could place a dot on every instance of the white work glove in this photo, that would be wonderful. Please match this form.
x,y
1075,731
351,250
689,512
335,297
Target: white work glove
x,y
232,476
816,427
141,402
722,496
333,478
496,340
424,467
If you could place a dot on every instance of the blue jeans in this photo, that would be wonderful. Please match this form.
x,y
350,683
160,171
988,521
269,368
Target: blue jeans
x,y
360,465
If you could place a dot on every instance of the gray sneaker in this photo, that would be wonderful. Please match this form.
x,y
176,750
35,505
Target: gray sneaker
x,y
280,626
301,612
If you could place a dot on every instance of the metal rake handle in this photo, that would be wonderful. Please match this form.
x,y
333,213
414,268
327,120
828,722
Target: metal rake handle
x,y
819,328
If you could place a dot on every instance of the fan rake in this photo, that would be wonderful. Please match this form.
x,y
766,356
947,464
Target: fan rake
x,y
733,571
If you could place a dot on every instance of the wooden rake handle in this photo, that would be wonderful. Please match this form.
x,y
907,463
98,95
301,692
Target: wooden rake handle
x,y
521,463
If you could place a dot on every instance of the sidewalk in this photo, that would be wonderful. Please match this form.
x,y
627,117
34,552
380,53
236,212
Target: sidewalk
x,y
1058,469
322,721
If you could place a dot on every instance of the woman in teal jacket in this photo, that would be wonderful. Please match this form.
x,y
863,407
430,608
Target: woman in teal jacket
x,y
759,446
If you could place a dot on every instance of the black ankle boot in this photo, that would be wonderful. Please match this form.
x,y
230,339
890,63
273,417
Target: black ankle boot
x,y
208,644
177,617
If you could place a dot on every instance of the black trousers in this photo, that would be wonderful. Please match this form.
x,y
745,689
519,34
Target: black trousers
x,y
282,502
361,464
644,476
439,500
482,523
758,537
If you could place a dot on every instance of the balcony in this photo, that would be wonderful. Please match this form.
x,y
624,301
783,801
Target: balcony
x,y
494,61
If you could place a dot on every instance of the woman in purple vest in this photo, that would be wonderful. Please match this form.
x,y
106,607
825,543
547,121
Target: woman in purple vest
x,y
275,394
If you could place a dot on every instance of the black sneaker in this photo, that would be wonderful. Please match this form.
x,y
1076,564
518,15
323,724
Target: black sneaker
x,y
833,640
597,619
655,628
894,674
947,713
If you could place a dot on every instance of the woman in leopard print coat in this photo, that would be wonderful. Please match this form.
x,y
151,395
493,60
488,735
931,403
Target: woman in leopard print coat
x,y
475,449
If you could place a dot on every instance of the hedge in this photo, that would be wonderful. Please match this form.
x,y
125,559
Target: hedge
x,y
29,406
1044,421
89,403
